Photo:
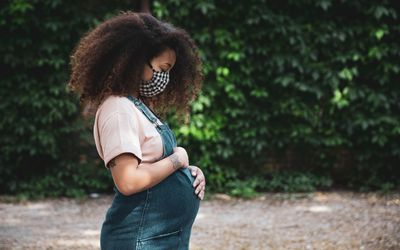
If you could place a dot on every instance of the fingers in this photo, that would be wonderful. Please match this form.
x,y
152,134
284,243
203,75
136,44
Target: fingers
x,y
193,170
200,191
200,187
201,194
199,177
200,182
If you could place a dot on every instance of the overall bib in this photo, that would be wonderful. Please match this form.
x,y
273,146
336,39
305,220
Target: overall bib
x,y
160,217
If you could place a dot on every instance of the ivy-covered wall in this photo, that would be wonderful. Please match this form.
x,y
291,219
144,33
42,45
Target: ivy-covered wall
x,y
297,86
298,95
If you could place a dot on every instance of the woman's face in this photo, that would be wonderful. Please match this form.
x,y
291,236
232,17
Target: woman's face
x,y
163,62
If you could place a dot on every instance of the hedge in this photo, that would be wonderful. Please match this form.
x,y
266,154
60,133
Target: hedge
x,y
298,95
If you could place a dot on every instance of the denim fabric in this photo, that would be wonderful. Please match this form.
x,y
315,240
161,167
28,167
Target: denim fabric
x,y
160,217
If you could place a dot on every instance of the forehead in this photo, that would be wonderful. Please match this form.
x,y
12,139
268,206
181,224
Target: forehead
x,y
167,56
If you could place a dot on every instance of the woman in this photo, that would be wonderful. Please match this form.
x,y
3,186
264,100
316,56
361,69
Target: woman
x,y
131,67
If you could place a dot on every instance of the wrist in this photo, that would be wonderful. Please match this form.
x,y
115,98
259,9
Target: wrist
x,y
174,158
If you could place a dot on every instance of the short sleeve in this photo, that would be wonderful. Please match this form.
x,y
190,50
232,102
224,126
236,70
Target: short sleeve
x,y
120,134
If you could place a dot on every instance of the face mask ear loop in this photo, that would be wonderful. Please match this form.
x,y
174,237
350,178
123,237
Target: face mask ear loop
x,y
150,65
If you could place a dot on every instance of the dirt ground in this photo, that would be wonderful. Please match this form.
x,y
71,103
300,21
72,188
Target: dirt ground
x,y
333,220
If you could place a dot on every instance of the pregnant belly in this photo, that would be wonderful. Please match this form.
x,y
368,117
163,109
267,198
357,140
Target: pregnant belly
x,y
166,208
172,204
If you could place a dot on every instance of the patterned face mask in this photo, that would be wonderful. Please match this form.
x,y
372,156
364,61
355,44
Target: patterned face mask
x,y
156,85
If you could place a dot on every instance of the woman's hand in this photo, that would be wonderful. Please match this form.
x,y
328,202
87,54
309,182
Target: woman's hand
x,y
200,182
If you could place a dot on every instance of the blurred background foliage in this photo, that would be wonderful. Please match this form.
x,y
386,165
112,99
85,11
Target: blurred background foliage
x,y
298,95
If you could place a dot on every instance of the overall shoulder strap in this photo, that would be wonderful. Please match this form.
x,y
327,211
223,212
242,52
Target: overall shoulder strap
x,y
142,107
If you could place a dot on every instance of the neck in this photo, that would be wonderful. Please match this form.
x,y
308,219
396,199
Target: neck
x,y
135,94
148,101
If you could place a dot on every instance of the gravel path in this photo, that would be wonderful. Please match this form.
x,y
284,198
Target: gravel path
x,y
333,220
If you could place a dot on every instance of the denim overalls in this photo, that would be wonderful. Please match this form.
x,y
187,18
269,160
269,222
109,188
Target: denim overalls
x,y
160,217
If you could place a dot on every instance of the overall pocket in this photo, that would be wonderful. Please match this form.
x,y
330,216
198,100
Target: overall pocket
x,y
164,241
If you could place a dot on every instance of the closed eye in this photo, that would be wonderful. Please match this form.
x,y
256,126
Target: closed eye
x,y
166,67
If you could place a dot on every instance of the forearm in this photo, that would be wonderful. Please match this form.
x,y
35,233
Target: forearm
x,y
149,175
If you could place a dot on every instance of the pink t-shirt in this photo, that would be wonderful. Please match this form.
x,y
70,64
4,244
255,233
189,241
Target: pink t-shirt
x,y
120,127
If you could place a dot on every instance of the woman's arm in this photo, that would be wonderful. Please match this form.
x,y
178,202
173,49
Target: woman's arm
x,y
130,178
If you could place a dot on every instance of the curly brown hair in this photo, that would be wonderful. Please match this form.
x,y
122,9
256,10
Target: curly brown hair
x,y
109,60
